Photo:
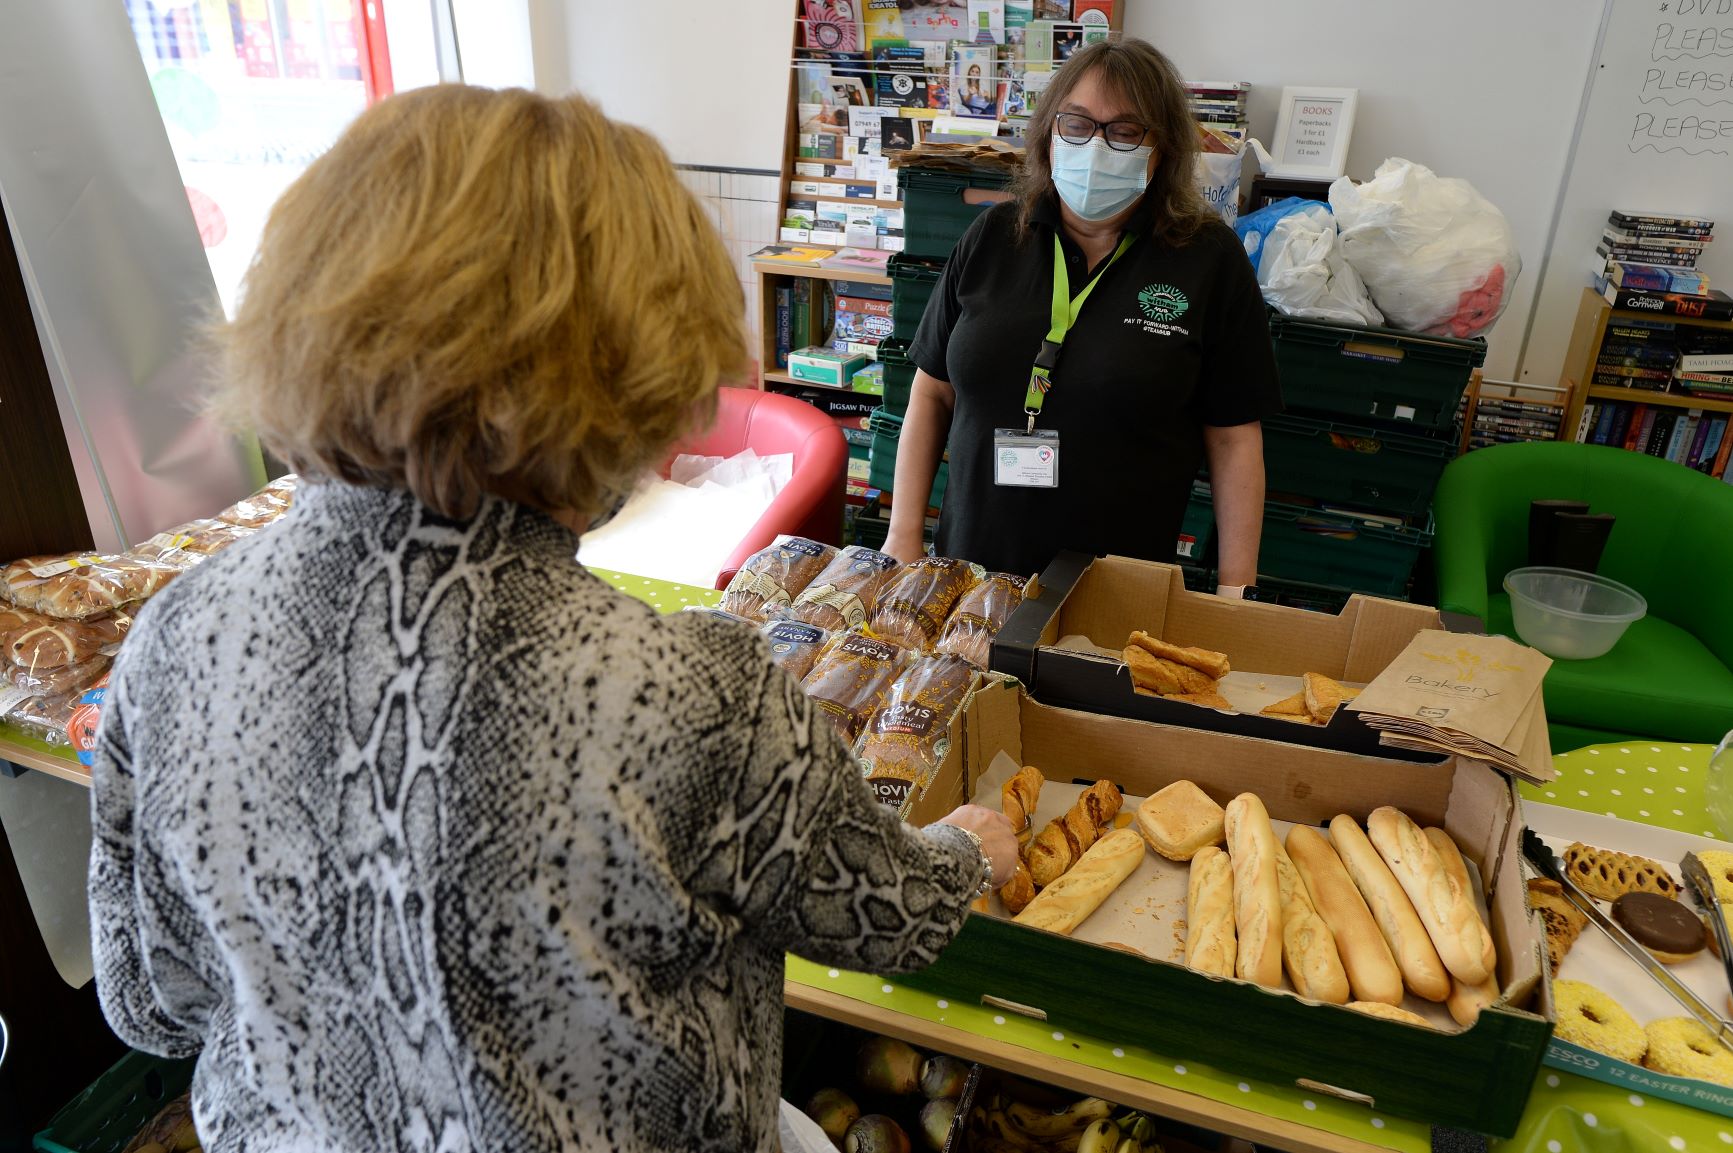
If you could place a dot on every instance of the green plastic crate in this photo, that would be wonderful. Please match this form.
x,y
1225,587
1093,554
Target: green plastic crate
x,y
1373,373
1342,550
886,428
935,215
106,1116
912,284
899,376
1377,470
1301,595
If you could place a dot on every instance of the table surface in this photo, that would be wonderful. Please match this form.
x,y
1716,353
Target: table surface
x,y
1653,783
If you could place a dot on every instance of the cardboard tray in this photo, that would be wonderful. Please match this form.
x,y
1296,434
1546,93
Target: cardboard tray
x,y
1598,961
1478,1078
1106,599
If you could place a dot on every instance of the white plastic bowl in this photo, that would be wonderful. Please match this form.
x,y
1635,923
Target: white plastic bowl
x,y
1571,615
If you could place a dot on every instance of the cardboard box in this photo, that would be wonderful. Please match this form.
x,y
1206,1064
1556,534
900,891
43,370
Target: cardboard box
x,y
1477,1079
1106,599
825,367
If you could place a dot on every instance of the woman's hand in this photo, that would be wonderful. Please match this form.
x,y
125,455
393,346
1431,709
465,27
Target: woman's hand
x,y
998,842
906,545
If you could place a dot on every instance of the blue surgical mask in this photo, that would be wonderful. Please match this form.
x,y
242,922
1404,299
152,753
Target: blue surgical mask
x,y
1097,182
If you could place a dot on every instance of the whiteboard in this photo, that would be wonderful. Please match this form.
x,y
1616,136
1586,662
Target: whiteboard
x,y
1656,136
1488,90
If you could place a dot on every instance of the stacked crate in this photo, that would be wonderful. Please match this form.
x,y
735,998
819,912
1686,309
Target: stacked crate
x,y
935,216
1373,417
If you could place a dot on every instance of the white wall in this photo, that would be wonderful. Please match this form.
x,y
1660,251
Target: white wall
x,y
709,77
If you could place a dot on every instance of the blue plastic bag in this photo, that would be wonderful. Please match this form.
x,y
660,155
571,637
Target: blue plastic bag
x,y
1253,227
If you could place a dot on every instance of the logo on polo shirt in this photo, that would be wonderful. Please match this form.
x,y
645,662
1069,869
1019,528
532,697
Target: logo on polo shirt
x,y
1163,302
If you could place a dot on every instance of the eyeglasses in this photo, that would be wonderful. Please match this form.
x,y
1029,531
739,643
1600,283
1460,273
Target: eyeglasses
x,y
1121,135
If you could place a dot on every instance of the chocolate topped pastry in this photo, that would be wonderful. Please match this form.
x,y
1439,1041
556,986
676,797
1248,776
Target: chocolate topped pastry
x,y
1661,925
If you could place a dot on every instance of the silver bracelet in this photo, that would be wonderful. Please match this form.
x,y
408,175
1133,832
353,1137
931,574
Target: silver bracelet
x,y
986,885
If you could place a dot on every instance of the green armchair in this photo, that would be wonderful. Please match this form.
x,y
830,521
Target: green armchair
x,y
1669,677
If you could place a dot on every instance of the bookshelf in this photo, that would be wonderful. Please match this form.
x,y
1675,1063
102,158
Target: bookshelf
x,y
1590,329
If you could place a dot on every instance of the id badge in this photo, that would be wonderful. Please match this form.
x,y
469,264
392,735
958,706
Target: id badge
x,y
1026,459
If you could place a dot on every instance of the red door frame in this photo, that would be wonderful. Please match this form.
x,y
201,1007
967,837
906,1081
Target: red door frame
x,y
375,57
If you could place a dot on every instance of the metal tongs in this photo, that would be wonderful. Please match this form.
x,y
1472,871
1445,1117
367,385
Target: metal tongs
x,y
1547,862
1702,887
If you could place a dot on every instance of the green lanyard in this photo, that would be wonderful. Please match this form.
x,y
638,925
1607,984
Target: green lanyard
x,y
1065,312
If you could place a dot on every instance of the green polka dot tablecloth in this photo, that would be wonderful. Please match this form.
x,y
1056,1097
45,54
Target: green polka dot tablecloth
x,y
1647,783
1655,784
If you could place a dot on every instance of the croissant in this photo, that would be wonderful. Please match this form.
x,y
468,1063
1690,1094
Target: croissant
x,y
1058,846
1020,794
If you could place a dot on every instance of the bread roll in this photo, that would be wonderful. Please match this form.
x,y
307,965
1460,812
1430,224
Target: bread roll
x,y
1409,943
1372,971
1465,1001
1257,893
1020,795
1450,918
1067,902
1179,820
1390,1013
1209,913
1308,947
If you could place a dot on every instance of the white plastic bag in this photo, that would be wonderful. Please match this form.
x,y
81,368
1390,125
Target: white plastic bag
x,y
1435,254
1218,178
1302,273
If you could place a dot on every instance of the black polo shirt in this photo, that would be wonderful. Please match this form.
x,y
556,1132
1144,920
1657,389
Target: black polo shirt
x,y
1172,339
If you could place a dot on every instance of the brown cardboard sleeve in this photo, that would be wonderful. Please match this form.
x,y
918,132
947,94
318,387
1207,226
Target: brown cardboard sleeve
x,y
1106,599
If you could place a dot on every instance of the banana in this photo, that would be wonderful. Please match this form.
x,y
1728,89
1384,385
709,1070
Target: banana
x,y
1000,1128
1129,1146
1045,1126
1066,1144
1100,1137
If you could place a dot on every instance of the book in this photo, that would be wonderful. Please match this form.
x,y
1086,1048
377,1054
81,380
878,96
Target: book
x,y
1639,441
974,81
1642,423
1656,277
784,320
1663,220
1587,423
1716,427
899,76
1692,451
1641,330
1639,240
1719,468
831,26
882,22
1599,379
986,22
1621,425
1713,305
1706,362
1684,431
1604,423
1611,367
1660,231
1637,255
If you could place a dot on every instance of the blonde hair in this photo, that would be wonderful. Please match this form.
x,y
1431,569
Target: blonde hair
x,y
483,291
1137,73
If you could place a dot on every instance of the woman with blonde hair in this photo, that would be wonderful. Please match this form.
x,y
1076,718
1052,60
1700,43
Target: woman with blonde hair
x,y
418,833
1091,343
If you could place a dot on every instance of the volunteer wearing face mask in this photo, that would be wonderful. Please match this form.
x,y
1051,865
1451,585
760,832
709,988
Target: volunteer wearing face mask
x,y
1091,343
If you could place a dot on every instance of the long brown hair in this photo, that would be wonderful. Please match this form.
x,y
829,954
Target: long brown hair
x,y
1139,74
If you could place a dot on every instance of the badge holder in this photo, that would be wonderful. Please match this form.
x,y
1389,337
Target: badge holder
x,y
1029,457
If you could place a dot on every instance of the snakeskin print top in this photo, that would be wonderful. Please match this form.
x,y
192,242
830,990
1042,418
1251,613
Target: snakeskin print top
x,y
430,840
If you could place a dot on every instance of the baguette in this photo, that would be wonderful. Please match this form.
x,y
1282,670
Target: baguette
x,y
1068,901
1372,971
1059,846
1450,918
1308,947
1465,1001
1257,893
1415,955
1209,913
1019,797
